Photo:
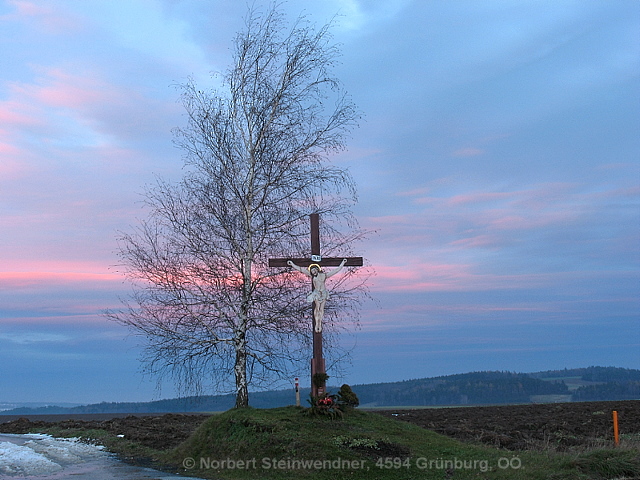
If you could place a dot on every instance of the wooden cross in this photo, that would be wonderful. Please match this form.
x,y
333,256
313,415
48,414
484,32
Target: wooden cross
x,y
317,362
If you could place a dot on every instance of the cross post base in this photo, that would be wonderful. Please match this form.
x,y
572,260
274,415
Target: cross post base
x,y
317,366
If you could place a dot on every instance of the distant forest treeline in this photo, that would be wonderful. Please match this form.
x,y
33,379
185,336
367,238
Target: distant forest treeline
x,y
465,389
593,374
477,388
483,388
606,383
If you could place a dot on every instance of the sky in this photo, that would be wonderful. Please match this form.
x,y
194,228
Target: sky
x,y
497,161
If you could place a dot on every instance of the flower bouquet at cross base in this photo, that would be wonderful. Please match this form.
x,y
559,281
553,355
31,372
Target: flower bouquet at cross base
x,y
334,406
326,405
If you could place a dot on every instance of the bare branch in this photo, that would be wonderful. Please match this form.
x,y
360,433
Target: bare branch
x,y
256,151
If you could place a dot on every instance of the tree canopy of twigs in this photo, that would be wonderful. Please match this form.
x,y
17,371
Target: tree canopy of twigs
x,y
212,313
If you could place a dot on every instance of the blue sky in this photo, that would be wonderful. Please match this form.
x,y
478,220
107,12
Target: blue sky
x,y
497,160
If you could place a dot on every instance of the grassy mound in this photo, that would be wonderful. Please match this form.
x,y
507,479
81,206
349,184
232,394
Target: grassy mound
x,y
610,463
287,443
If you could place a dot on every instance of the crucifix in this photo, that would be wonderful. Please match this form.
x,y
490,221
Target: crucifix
x,y
312,267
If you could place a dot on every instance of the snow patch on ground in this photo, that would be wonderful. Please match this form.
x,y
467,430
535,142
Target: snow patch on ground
x,y
42,457
22,455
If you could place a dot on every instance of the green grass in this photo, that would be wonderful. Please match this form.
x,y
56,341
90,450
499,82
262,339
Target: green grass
x,y
609,463
287,443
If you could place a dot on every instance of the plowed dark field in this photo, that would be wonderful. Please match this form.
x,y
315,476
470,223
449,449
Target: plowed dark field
x,y
159,432
559,427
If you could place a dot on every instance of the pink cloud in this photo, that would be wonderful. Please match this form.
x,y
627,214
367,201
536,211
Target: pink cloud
x,y
52,20
532,221
428,201
623,192
58,88
479,197
415,191
60,109
12,165
52,266
420,276
423,251
6,150
28,114
376,222
485,240
48,319
20,280
65,103
62,289
29,9
471,198
433,276
480,219
15,113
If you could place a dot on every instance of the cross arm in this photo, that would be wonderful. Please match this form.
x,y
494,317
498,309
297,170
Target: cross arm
x,y
325,262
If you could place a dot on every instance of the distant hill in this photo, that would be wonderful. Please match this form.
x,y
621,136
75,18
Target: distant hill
x,y
205,403
476,388
597,383
482,388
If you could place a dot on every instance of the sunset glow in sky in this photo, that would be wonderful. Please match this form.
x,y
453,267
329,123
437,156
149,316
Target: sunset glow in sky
x,y
498,161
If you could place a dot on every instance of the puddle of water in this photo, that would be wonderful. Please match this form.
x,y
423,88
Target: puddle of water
x,y
41,457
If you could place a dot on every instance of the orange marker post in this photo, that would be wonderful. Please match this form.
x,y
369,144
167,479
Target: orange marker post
x,y
616,436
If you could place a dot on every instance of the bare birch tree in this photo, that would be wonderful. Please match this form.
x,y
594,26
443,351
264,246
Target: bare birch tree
x,y
256,155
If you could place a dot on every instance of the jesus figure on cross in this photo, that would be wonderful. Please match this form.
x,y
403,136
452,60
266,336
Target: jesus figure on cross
x,y
319,294
313,267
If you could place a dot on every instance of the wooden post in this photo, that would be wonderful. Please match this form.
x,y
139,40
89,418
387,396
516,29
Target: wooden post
x,y
616,435
317,361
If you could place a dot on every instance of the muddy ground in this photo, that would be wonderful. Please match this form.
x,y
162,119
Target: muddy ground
x,y
158,432
561,427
